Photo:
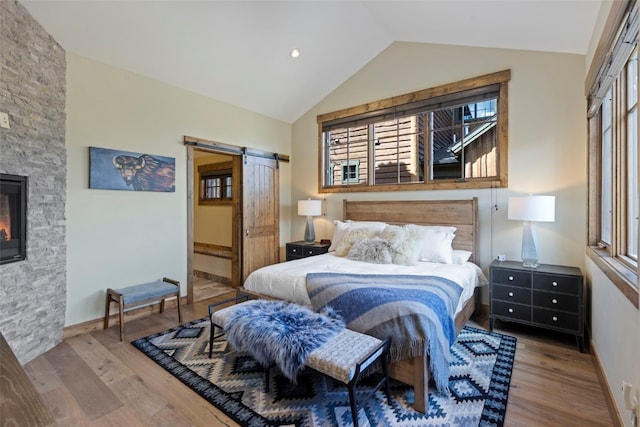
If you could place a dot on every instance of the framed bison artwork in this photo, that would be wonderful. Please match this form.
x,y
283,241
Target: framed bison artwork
x,y
124,170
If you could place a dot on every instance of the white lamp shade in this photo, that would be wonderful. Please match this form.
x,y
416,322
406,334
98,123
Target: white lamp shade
x,y
310,207
532,208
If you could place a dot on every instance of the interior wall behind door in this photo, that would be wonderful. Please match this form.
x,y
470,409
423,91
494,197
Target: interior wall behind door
x,y
212,224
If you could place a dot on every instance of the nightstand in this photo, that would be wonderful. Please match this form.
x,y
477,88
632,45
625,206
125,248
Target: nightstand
x,y
301,249
550,297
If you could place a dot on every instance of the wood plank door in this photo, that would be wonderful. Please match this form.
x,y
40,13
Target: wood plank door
x,y
260,213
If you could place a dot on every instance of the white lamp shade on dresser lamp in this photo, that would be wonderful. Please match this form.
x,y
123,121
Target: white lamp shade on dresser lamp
x,y
531,209
309,208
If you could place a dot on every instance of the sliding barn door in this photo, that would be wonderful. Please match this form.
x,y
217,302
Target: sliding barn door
x,y
260,213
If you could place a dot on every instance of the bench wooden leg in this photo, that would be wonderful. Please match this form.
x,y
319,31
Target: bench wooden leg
x,y
121,316
179,311
107,305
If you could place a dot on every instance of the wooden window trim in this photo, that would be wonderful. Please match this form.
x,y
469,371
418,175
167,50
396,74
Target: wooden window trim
x,y
223,169
620,275
621,270
500,181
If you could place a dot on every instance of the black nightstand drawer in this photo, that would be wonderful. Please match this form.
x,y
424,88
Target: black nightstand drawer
x,y
512,311
511,277
556,319
297,250
555,283
294,251
511,294
313,250
555,301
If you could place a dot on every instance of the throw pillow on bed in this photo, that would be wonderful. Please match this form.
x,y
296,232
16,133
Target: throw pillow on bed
x,y
341,228
352,237
405,242
374,250
436,247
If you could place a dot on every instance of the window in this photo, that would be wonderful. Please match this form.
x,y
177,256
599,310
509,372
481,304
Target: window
x,y
451,136
216,183
613,163
350,171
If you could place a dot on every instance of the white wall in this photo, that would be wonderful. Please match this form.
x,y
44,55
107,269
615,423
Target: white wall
x,y
615,335
547,136
120,238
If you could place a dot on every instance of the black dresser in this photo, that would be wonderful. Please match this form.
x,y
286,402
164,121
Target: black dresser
x,y
550,296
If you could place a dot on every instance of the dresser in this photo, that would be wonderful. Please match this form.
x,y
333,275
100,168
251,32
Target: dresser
x,y
301,249
550,296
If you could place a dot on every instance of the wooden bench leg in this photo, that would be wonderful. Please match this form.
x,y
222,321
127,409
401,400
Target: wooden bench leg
x,y
107,305
121,316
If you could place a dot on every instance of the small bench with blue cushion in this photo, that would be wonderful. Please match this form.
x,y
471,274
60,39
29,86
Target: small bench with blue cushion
x,y
140,295
344,357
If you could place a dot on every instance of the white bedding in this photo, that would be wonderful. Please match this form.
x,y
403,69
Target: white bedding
x,y
287,280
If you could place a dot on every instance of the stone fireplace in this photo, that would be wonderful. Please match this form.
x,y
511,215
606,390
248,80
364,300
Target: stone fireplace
x,y
33,94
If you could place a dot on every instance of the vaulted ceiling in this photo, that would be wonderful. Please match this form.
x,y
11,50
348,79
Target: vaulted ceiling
x,y
238,51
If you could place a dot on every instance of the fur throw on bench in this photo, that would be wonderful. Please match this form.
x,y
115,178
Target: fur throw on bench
x,y
280,332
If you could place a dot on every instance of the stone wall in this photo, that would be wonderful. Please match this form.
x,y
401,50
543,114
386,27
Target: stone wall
x,y
32,92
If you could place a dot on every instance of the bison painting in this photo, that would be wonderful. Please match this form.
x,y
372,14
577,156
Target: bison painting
x,y
146,173
122,170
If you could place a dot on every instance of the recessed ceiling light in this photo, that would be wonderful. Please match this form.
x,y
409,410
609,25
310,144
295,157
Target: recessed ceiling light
x,y
294,53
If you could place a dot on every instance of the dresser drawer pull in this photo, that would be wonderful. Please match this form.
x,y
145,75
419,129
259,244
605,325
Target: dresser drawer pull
x,y
555,301
310,252
294,250
555,318
511,310
510,294
554,284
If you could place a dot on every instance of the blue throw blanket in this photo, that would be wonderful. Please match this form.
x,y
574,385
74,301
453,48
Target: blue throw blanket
x,y
417,311
280,332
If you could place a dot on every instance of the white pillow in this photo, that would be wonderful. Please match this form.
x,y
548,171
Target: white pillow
x,y
460,256
436,247
342,227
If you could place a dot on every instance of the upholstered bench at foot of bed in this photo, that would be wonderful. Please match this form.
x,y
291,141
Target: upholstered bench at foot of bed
x,y
141,295
344,357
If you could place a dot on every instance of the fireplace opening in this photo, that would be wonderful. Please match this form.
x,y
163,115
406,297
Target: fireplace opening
x,y
13,218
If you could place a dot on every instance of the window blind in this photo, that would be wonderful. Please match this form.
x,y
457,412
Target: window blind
x,y
615,59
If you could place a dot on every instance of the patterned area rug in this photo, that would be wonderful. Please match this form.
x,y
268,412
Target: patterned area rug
x,y
481,365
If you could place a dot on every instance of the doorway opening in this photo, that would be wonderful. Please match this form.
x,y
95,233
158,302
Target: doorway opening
x,y
246,181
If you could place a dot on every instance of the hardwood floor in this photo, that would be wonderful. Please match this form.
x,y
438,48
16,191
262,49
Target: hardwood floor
x,y
95,380
205,288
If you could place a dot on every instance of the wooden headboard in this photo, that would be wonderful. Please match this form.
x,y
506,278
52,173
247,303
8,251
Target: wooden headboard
x,y
462,214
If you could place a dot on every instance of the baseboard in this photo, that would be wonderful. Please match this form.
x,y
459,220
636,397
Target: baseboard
x,y
606,390
98,324
212,277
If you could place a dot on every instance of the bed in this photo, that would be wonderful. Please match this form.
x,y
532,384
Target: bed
x,y
287,281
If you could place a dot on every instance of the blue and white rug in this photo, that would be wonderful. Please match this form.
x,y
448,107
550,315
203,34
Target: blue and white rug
x,y
481,366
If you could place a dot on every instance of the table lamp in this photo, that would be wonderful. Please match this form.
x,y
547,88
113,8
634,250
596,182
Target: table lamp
x,y
309,208
531,209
